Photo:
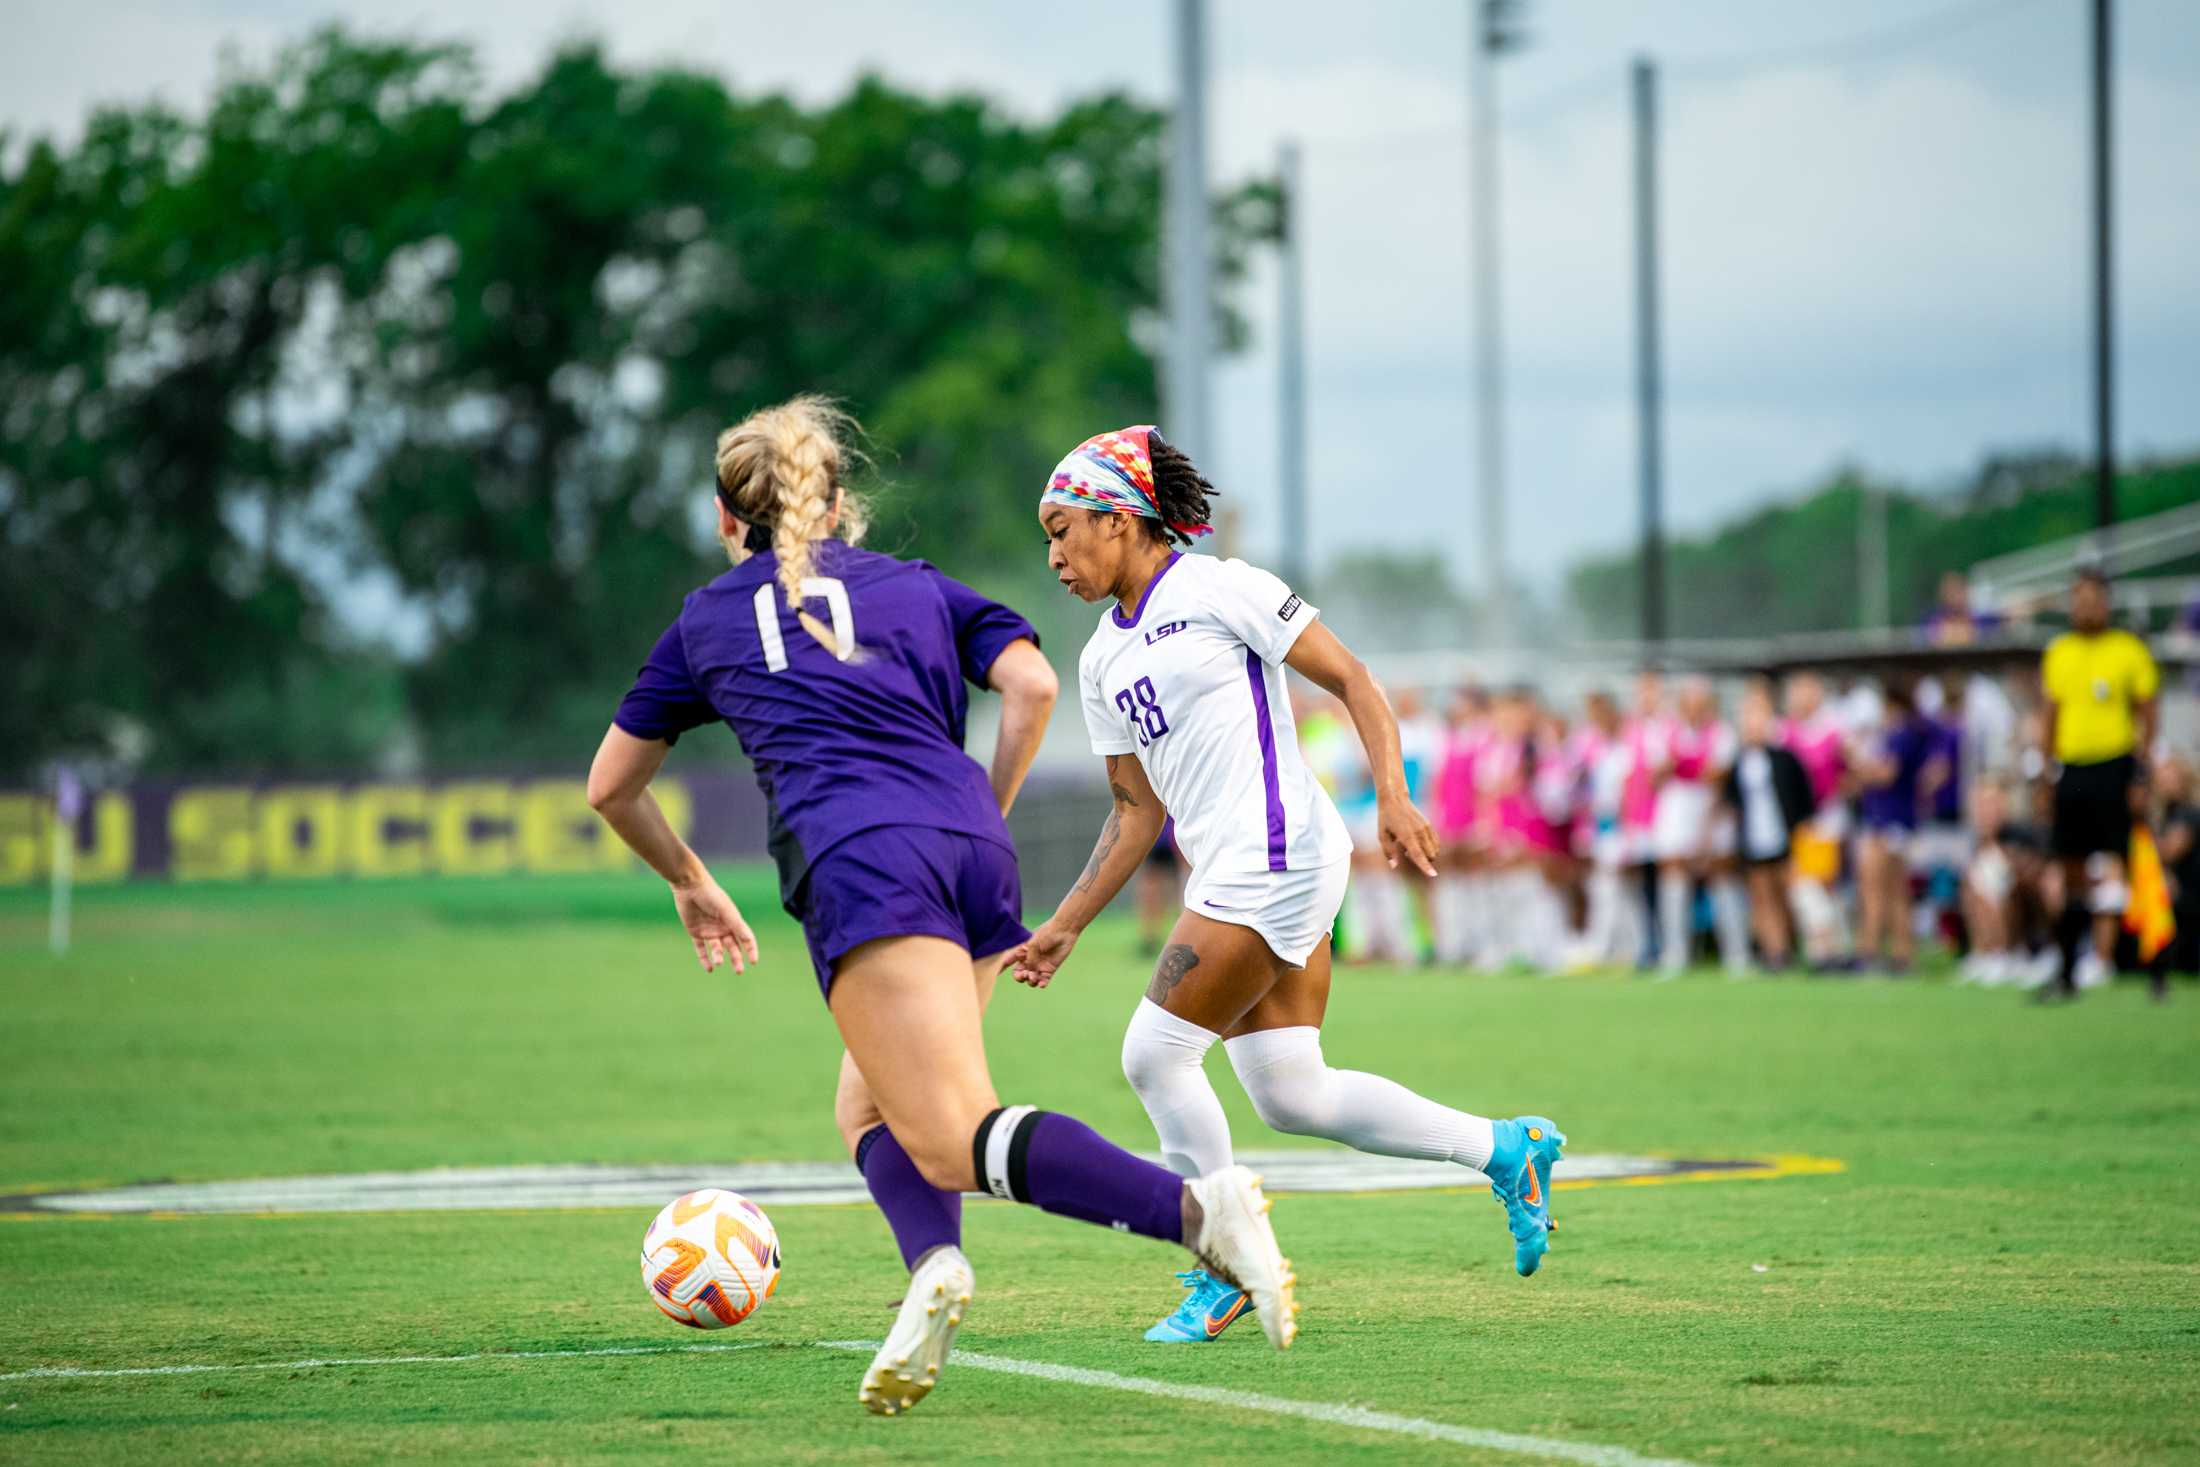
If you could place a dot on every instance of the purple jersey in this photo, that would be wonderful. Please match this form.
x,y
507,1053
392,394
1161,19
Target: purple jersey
x,y
1947,750
839,746
1908,745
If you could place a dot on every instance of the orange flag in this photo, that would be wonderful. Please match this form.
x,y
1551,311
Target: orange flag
x,y
2148,916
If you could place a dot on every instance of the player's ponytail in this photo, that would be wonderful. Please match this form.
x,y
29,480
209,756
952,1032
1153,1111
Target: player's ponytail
x,y
1180,491
779,469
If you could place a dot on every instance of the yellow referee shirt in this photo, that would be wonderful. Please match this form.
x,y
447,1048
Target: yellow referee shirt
x,y
2095,682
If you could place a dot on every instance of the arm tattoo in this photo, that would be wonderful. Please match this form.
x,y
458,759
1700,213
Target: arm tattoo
x,y
1110,833
1177,959
1123,797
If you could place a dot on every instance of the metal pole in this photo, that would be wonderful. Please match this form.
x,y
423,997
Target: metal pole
x,y
1872,609
2104,317
1488,322
1291,370
1189,287
1649,428
68,803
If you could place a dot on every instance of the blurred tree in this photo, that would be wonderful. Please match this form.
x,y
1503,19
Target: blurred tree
x,y
364,318
167,423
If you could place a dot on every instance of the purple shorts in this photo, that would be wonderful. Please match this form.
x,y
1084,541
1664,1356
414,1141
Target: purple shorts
x,y
912,881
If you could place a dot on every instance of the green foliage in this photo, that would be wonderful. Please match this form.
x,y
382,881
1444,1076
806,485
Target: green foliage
x,y
367,316
1794,567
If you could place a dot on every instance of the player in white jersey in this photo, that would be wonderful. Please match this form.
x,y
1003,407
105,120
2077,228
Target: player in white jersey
x,y
1183,692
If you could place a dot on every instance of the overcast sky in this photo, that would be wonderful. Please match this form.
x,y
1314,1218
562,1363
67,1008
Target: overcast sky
x,y
1877,254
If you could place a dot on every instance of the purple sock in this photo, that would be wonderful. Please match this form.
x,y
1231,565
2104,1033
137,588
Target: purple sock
x,y
922,1216
1061,1165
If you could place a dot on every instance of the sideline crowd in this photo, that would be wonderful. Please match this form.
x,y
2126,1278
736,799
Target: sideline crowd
x,y
1833,827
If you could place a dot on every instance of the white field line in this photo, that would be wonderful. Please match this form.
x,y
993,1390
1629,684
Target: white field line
x,y
60,1372
1356,1417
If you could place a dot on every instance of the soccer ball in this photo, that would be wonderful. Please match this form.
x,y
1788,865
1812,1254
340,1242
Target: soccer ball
x,y
710,1259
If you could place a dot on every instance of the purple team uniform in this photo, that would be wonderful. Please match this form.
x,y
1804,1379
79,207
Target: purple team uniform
x,y
1893,806
871,747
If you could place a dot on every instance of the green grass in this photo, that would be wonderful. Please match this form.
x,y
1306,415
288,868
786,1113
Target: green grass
x,y
2008,1270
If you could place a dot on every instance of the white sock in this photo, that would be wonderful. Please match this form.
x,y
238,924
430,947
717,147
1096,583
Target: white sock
x,y
1451,921
1730,916
1547,922
1611,935
1476,907
1674,928
1395,907
1814,908
1162,1057
1296,1091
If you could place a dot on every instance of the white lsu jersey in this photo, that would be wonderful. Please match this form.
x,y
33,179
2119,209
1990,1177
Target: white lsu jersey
x,y
1192,684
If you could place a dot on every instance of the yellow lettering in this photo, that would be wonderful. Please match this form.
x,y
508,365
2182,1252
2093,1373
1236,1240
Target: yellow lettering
x,y
113,850
211,831
557,830
23,839
389,829
679,807
471,829
301,830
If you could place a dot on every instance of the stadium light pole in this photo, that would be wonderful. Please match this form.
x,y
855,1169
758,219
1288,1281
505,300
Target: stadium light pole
x,y
1491,31
2104,269
1649,385
1291,369
1189,283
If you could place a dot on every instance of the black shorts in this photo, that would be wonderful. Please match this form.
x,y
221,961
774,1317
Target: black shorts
x,y
1163,856
2093,808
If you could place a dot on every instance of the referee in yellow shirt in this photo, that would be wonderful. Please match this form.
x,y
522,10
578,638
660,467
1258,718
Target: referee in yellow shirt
x,y
2100,683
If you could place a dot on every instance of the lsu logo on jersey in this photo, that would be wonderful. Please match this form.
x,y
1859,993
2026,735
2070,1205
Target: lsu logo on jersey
x,y
1165,629
1288,610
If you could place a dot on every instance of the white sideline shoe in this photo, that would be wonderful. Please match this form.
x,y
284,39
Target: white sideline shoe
x,y
1236,1242
908,1365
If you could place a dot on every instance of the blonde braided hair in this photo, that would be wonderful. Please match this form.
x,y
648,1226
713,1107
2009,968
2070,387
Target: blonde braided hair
x,y
780,467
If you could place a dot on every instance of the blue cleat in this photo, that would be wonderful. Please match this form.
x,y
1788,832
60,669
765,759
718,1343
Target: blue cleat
x,y
1209,1307
1520,1176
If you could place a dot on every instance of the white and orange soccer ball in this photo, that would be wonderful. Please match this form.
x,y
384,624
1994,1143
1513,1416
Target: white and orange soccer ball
x,y
710,1259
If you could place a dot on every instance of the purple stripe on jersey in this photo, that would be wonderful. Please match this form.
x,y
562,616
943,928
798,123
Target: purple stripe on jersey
x,y
1259,677
1140,610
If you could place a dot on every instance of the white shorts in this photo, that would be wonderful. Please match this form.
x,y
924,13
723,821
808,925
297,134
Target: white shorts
x,y
1941,845
1680,831
1292,910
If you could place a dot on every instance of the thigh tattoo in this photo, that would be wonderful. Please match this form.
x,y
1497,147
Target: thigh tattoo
x,y
1177,959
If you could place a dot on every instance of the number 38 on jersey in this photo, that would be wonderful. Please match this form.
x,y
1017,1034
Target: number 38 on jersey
x,y
1142,707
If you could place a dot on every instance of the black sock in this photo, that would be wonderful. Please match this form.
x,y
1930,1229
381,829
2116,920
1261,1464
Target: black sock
x,y
2073,931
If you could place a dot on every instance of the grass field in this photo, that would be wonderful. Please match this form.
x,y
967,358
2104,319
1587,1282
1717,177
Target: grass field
x,y
2008,1269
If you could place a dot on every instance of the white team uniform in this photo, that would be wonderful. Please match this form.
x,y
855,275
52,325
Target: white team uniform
x,y
1689,822
1192,684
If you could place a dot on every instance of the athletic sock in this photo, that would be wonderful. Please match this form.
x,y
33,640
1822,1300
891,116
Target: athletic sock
x,y
1059,1164
1730,918
1675,932
922,1216
1295,1091
1163,1058
2073,935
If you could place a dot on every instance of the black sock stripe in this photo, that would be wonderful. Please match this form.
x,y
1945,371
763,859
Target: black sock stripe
x,y
863,1147
1019,1154
977,1146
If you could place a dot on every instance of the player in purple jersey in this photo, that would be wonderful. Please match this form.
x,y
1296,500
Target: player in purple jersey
x,y
1183,692
842,673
